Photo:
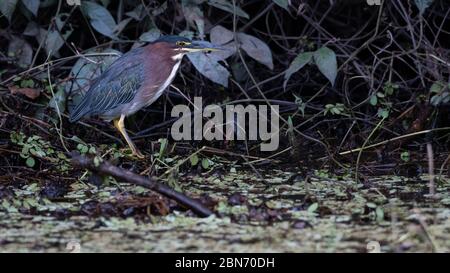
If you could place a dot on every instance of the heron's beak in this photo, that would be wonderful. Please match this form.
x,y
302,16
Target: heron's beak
x,y
197,46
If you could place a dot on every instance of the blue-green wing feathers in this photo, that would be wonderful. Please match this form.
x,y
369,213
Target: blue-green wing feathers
x,y
117,86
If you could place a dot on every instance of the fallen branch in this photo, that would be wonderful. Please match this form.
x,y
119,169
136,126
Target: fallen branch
x,y
126,176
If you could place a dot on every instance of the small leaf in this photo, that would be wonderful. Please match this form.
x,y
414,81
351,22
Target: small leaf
x,y
97,161
7,7
313,207
31,93
82,148
100,18
405,156
380,214
282,3
256,49
422,5
298,63
228,6
21,51
373,100
383,113
30,162
32,5
163,147
58,102
194,160
437,87
325,60
380,95
205,163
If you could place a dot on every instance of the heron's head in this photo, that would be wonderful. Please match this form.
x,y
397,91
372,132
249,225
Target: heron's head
x,y
179,46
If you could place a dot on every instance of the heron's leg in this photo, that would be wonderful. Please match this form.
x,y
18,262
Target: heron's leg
x,y
119,124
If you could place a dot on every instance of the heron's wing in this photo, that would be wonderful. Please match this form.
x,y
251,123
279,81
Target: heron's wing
x,y
116,92
118,85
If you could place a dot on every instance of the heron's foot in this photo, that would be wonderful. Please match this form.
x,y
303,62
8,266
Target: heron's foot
x,y
133,153
119,124
137,153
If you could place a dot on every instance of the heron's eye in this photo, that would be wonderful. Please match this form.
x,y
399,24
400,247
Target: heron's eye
x,y
181,43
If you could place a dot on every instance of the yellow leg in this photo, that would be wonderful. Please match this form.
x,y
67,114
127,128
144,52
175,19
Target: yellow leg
x,y
119,124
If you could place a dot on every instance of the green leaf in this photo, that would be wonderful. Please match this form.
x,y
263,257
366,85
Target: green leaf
x,y
436,100
163,147
380,214
30,162
31,5
206,163
7,7
82,148
58,102
405,156
422,5
282,3
100,18
301,104
92,150
437,87
325,60
373,100
97,161
383,113
298,63
194,160
313,207
228,6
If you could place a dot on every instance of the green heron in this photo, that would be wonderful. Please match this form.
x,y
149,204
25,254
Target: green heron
x,y
136,80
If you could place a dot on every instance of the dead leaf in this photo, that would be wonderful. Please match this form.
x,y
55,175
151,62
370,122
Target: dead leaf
x,y
31,93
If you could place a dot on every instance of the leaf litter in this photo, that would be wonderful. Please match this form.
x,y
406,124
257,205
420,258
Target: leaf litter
x,y
273,213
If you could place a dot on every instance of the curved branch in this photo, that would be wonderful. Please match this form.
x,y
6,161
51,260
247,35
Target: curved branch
x,y
107,168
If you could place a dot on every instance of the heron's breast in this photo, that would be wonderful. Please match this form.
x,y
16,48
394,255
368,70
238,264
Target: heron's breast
x,y
153,89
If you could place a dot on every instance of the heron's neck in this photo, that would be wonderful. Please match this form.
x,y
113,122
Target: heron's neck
x,y
177,57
